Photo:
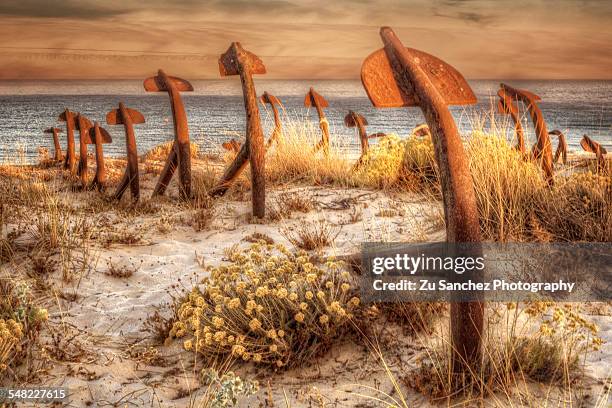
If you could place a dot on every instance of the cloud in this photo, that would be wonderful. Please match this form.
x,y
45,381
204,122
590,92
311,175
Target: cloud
x,y
63,9
468,17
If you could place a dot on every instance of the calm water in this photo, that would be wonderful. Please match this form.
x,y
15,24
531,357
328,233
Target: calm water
x,y
216,112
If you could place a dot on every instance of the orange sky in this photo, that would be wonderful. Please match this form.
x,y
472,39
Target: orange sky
x,y
553,39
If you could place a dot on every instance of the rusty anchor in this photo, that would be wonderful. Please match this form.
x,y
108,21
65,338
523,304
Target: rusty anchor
x,y
57,156
591,146
234,146
398,76
70,159
98,135
278,126
542,150
561,151
506,105
353,119
179,155
238,61
83,125
314,99
128,118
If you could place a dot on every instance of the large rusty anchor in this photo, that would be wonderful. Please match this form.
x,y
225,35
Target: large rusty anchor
x,y
278,126
98,135
506,105
542,150
238,61
398,76
83,125
561,151
128,117
591,146
70,159
314,99
180,155
57,156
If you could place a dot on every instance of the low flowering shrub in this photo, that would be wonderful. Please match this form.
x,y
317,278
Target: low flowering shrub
x,y
269,306
382,164
20,322
11,334
408,162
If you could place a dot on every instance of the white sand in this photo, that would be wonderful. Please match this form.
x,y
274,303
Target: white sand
x,y
119,368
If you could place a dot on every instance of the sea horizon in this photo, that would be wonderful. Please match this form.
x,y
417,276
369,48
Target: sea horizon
x,y
215,110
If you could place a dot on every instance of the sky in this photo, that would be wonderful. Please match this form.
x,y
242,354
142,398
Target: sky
x,y
504,39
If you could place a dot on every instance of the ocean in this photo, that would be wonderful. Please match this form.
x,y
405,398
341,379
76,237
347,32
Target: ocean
x,y
215,111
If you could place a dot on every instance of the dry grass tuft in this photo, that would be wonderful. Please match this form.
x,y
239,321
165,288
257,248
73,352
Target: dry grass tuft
x,y
310,235
513,353
202,219
122,270
414,317
160,152
293,159
258,237
296,201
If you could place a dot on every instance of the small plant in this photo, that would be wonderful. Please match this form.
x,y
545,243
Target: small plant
x,y
20,322
225,391
296,202
6,248
121,270
269,306
259,237
124,237
414,317
202,219
310,235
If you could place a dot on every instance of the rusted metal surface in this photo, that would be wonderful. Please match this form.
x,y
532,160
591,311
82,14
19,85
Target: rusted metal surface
x,y
561,151
232,146
238,61
70,159
399,76
128,118
98,135
180,155
353,119
507,106
83,125
543,149
274,102
314,99
57,155
421,130
591,146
